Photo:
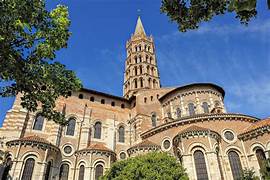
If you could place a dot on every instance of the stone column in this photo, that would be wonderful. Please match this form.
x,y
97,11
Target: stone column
x,y
213,168
189,166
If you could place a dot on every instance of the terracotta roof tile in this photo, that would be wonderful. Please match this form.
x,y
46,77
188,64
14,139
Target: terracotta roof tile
x,y
35,138
145,143
258,124
98,146
194,128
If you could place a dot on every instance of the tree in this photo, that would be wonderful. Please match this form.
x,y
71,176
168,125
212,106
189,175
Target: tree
x,y
265,170
248,174
30,35
150,166
188,14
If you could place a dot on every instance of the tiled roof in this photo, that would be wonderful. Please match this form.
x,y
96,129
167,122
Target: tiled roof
x,y
196,130
98,146
145,143
257,125
35,138
193,128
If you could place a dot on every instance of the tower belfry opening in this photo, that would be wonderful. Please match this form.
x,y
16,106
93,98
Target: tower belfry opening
x,y
141,71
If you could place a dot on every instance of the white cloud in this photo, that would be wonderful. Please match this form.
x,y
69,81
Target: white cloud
x,y
262,27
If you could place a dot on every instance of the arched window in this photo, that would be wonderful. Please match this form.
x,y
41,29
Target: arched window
x,y
217,104
152,71
71,127
136,60
121,134
235,164
200,165
145,99
154,83
141,81
102,101
178,112
98,171
80,96
135,83
141,70
48,170
64,171
154,119
81,172
260,157
169,115
140,47
140,59
136,71
122,106
97,130
112,103
150,60
7,167
92,99
28,169
205,107
149,83
146,58
38,124
191,109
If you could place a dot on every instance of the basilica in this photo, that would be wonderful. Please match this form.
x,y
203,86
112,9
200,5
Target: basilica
x,y
189,122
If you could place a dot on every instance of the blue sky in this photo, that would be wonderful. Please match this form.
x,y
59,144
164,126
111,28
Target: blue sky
x,y
223,51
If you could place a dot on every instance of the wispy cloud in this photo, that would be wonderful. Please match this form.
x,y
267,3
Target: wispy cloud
x,y
218,29
232,56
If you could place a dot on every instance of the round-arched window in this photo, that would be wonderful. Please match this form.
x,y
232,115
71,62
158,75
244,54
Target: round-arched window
x,y
68,149
123,155
228,135
166,144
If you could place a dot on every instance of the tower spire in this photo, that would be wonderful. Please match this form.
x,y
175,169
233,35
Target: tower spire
x,y
139,30
141,71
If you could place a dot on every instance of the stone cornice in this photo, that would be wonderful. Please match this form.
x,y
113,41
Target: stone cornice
x,y
197,118
197,133
42,145
254,133
87,151
143,146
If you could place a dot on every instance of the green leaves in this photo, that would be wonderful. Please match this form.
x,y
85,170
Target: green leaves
x,y
188,14
152,166
29,38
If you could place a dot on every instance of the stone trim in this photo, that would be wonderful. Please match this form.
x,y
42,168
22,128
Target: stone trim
x,y
201,132
133,150
145,145
85,152
254,133
42,145
197,118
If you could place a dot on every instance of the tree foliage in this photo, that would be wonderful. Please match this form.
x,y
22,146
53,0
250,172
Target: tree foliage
x,y
248,174
152,166
30,35
188,14
265,170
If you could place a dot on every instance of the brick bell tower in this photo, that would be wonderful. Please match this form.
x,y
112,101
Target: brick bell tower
x,y
141,70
